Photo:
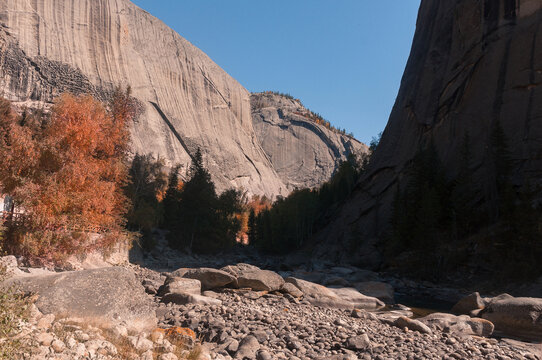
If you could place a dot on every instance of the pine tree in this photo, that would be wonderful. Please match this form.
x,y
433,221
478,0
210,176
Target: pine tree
x,y
197,205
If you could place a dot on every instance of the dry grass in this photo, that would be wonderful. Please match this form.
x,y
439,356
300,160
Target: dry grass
x,y
14,313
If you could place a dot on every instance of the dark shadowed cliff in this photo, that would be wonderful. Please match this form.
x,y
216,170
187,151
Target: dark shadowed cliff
x,y
474,65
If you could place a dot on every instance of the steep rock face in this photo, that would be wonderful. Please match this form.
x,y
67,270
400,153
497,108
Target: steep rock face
x,y
90,46
304,153
472,63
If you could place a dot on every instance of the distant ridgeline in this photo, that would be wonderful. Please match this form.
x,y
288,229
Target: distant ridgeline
x,y
302,111
304,149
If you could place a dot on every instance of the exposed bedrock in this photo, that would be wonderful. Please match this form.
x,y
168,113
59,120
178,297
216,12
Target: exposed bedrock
x,y
51,46
303,152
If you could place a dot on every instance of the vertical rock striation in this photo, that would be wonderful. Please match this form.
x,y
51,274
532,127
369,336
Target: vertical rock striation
x,y
472,63
89,46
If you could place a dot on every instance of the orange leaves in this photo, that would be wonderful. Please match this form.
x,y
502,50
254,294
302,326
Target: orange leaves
x,y
259,204
256,204
67,172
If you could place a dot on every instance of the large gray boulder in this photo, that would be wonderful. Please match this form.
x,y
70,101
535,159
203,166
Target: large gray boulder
x,y
458,325
517,317
468,304
247,348
107,296
250,276
359,300
185,298
180,285
237,270
319,295
210,278
291,289
260,280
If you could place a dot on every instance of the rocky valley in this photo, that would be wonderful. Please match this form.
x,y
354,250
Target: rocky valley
x,y
424,246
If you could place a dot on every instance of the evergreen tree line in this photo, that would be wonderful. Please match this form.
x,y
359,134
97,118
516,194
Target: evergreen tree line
x,y
433,215
198,219
289,224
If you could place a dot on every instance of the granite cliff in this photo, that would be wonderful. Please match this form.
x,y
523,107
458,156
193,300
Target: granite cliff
x,y
303,151
51,46
472,64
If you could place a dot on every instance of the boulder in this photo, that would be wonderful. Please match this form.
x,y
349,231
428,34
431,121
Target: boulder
x,y
319,295
291,289
260,280
358,343
378,290
184,299
359,300
9,265
210,278
458,325
247,348
516,317
180,285
236,270
468,304
107,295
415,325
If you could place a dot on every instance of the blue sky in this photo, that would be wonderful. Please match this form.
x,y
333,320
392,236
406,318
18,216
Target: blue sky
x,y
343,58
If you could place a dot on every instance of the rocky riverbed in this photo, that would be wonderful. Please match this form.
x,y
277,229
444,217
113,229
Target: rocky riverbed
x,y
240,311
248,326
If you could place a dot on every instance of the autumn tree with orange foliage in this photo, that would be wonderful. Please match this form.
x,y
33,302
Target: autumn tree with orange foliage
x,y
66,171
251,209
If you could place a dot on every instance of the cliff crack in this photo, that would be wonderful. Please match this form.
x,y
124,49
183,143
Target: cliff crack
x,y
172,128
214,87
